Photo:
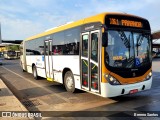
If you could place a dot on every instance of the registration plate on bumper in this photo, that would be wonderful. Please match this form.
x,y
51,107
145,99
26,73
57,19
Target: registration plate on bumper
x,y
133,91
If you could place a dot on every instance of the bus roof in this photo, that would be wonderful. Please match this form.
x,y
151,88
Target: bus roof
x,y
96,18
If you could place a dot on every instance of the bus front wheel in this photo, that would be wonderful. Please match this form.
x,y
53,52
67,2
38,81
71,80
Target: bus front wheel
x,y
35,75
69,82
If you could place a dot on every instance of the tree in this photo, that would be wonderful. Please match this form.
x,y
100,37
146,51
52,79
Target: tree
x,y
13,47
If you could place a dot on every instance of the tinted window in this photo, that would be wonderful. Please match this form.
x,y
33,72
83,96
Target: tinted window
x,y
85,45
72,41
66,42
31,48
94,46
58,42
40,46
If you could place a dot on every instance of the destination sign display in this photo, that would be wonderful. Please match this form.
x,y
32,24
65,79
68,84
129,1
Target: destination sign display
x,y
122,21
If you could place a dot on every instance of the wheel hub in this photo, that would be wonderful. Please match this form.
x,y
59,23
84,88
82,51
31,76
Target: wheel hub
x,y
69,82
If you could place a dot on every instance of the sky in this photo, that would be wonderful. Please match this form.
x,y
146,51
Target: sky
x,y
23,18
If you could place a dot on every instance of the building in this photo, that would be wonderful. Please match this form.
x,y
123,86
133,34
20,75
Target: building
x,y
156,41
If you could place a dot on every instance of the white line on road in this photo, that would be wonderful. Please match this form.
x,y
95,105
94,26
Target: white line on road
x,y
65,99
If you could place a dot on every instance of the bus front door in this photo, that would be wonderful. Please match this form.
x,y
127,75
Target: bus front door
x,y
48,60
90,77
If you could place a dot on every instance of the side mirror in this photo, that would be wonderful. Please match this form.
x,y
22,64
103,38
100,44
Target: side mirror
x,y
104,39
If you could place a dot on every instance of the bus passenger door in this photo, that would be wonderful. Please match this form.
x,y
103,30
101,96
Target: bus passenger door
x,y
48,60
90,77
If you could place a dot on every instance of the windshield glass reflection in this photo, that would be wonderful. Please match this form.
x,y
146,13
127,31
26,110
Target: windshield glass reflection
x,y
127,49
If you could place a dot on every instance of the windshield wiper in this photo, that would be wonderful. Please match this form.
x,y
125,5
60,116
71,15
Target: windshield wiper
x,y
124,39
139,40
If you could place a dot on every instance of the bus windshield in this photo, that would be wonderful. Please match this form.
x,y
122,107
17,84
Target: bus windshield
x,y
127,49
11,53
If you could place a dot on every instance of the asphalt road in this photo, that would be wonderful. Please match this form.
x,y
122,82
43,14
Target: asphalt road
x,y
41,95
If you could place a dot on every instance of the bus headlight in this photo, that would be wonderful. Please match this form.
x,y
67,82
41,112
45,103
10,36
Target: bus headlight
x,y
111,80
149,76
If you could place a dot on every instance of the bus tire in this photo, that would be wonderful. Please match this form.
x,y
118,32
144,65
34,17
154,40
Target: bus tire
x,y
69,82
35,75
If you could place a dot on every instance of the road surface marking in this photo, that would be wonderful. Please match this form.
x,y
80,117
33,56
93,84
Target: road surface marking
x,y
65,99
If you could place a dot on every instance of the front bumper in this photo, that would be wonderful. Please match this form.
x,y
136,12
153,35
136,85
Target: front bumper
x,y
108,90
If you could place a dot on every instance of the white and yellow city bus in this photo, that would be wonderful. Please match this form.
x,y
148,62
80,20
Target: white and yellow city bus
x,y
108,54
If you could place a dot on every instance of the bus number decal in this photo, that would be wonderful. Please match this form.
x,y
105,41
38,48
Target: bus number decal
x,y
117,57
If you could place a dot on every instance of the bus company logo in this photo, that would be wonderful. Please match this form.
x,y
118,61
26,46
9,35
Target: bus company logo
x,y
89,27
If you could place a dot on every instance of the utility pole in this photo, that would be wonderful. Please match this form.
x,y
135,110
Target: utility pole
x,y
0,35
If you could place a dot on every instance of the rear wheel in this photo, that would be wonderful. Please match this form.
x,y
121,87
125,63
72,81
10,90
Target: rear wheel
x,y
69,82
35,75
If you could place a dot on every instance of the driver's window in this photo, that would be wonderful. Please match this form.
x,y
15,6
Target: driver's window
x,y
94,46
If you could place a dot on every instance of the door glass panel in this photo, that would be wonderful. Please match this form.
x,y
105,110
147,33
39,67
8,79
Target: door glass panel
x,y
47,48
50,48
85,46
94,76
94,46
85,62
85,73
94,61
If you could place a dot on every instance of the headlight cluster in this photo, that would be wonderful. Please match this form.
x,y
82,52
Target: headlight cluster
x,y
148,76
111,79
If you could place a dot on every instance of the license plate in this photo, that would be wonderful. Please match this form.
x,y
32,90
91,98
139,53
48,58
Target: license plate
x,y
133,91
